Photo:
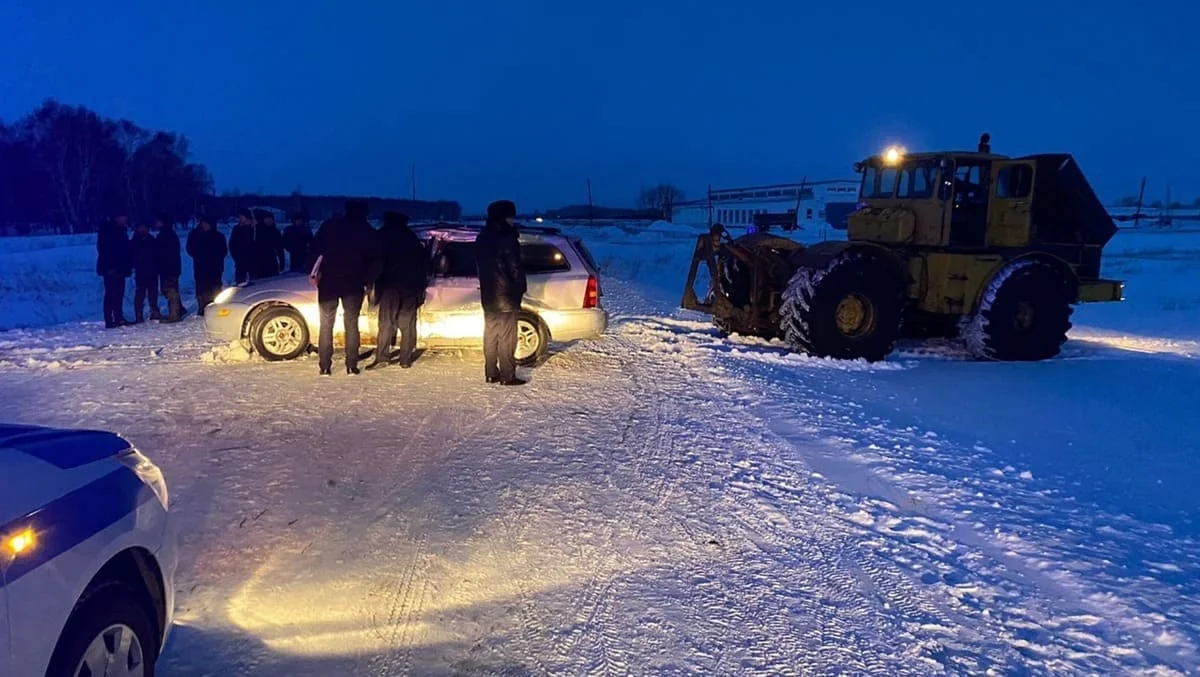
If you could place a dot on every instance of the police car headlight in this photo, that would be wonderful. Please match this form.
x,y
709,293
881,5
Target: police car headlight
x,y
148,472
225,295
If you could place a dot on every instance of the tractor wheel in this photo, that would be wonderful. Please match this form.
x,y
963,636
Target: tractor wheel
x,y
1024,314
851,309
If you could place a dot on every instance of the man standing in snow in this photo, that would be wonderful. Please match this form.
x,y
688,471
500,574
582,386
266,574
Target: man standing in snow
x,y
170,266
112,265
144,255
347,260
241,247
400,289
206,246
297,241
268,246
501,288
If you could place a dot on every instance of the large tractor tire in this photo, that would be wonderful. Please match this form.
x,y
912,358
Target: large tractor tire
x,y
850,309
1023,315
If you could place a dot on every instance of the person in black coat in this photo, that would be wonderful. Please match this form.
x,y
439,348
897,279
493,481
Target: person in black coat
x,y
113,266
501,287
206,246
143,252
170,266
297,241
241,247
400,289
268,247
347,261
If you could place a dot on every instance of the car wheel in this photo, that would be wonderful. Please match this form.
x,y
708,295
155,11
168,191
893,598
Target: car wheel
x,y
279,333
532,340
108,633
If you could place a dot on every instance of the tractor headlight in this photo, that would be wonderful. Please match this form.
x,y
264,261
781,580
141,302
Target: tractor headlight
x,y
225,295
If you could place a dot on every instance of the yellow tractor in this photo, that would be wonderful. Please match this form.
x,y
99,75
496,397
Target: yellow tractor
x,y
993,249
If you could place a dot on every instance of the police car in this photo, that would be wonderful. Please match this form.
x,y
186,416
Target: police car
x,y
87,558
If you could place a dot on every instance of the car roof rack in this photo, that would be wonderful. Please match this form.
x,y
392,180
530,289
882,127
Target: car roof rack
x,y
539,230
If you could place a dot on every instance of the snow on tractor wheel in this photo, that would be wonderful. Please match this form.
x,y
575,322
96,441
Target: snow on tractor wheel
x,y
1023,315
850,309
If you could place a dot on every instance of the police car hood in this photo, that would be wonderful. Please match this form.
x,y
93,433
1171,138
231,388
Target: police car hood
x,y
37,464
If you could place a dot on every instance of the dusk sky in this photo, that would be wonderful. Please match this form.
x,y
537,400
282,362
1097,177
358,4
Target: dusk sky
x,y
526,99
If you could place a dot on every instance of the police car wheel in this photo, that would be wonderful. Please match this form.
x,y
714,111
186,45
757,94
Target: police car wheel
x,y
108,633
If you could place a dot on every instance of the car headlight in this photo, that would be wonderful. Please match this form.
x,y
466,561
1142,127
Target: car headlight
x,y
149,473
225,295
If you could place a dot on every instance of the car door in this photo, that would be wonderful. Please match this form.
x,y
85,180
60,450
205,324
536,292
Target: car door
x,y
452,310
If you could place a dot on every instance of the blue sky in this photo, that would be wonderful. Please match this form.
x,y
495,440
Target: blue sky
x,y
526,99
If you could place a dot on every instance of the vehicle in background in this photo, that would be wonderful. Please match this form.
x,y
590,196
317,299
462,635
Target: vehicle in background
x,y
87,556
279,319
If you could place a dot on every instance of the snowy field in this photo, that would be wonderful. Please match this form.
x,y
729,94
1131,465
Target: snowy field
x,y
660,501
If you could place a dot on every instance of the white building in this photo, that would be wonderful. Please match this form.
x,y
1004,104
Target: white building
x,y
815,204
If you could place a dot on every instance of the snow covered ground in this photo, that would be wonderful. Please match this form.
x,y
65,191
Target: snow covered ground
x,y
660,501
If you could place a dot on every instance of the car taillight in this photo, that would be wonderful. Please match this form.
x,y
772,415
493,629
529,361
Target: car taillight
x,y
591,298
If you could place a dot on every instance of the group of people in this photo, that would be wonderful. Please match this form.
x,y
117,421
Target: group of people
x,y
350,256
345,258
151,255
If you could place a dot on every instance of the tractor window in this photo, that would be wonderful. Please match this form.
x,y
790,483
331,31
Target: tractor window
x,y
1014,182
879,182
917,182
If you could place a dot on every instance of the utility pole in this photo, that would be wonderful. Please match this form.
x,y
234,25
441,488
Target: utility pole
x,y
1137,214
413,174
589,189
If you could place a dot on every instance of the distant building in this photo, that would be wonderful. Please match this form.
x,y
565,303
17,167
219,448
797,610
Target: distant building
x,y
813,203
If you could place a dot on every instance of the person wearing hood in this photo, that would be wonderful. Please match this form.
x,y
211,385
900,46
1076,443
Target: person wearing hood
x,y
400,289
241,247
206,246
170,266
268,247
501,287
144,255
297,241
347,261
113,266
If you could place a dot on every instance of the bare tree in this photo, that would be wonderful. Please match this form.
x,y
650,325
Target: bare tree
x,y
661,198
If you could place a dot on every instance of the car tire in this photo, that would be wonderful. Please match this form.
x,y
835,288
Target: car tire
x,y
1023,316
533,340
109,620
279,334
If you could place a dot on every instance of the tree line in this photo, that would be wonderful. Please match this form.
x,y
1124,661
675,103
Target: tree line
x,y
68,168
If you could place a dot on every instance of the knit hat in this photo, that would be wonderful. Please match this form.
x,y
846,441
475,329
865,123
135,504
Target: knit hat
x,y
395,219
501,210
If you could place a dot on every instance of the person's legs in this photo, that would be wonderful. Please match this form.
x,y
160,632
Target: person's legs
x,y
491,347
328,310
389,308
408,331
152,296
170,287
140,290
506,346
351,307
114,300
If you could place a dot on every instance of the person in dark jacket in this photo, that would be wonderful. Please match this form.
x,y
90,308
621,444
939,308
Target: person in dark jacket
x,y
501,288
143,252
268,247
206,246
241,247
113,266
297,241
170,266
347,260
400,289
